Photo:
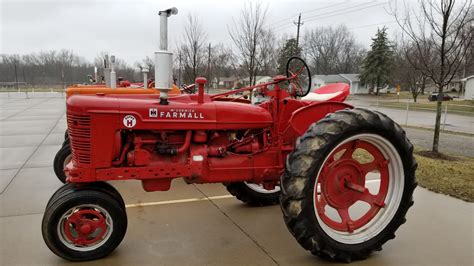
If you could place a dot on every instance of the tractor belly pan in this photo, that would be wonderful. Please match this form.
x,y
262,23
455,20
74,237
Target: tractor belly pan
x,y
266,166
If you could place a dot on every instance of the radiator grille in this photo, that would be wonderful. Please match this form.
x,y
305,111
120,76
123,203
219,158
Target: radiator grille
x,y
79,130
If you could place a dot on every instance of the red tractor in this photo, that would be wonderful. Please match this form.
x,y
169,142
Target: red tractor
x,y
315,157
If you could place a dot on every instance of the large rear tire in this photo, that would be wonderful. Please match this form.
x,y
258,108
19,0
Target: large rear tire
x,y
83,225
324,179
253,194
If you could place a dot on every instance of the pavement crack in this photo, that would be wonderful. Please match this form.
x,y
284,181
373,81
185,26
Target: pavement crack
x,y
238,226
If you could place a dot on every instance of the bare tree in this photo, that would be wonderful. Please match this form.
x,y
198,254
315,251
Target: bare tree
x,y
221,62
268,56
192,49
468,63
249,36
439,28
122,69
44,68
333,50
407,66
147,63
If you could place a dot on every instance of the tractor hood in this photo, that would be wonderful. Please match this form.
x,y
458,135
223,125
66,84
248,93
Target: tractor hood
x,y
182,113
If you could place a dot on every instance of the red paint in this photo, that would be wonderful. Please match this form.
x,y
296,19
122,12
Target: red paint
x,y
201,81
85,227
342,182
202,138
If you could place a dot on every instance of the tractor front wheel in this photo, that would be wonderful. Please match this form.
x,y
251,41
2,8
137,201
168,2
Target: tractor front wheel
x,y
62,158
348,184
66,139
83,225
254,194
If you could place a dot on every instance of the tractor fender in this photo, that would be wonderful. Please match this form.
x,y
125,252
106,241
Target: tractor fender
x,y
303,117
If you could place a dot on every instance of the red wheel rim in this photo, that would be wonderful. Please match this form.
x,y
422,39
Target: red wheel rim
x,y
343,183
85,227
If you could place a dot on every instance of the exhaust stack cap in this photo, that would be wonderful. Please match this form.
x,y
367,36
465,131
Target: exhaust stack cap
x,y
168,12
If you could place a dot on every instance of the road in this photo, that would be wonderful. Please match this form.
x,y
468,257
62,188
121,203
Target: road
x,y
454,122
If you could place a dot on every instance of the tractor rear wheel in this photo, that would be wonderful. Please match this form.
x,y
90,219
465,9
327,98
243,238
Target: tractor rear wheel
x,y
253,194
62,158
83,225
348,184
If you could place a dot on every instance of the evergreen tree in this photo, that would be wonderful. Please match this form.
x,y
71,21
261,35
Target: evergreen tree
x,y
377,65
289,49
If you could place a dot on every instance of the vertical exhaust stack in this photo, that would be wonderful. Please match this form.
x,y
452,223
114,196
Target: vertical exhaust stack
x,y
164,58
113,78
145,77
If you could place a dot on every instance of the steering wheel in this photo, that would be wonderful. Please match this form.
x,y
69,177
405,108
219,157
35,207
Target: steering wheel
x,y
188,89
297,71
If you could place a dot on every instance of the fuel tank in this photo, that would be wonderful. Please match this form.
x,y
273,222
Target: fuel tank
x,y
183,112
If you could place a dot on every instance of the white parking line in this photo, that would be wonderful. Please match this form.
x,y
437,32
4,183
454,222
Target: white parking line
x,y
176,201
166,202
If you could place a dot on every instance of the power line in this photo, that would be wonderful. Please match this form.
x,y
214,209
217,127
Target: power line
x,y
375,24
342,13
285,20
339,12
366,4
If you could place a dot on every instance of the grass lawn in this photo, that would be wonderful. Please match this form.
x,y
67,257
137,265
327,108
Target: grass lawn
x,y
449,175
465,107
445,174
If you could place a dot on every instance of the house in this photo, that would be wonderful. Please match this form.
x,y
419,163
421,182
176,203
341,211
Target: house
x,y
351,79
236,83
226,82
244,82
454,86
468,88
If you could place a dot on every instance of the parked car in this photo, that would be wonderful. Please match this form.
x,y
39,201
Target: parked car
x,y
434,97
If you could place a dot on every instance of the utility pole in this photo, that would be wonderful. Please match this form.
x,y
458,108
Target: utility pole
x,y
16,76
298,24
180,60
209,68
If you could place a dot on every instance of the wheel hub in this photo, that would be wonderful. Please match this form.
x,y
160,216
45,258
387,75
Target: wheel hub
x,y
340,183
85,227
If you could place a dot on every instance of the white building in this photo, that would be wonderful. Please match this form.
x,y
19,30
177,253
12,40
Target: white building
x,y
468,88
351,79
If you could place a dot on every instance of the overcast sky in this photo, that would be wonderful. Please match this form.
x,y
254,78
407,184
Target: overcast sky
x,y
129,29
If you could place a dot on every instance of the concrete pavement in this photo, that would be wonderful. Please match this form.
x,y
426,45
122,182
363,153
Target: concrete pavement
x,y
190,224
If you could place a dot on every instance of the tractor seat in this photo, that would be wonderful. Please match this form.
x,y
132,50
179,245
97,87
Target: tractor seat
x,y
336,92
